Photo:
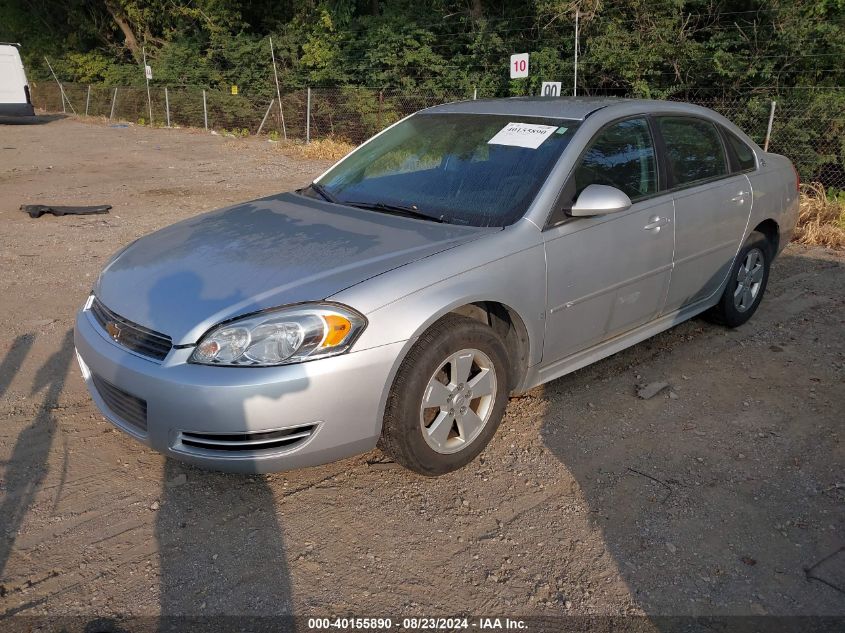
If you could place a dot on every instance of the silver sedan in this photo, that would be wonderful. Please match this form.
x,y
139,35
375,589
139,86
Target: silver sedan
x,y
470,251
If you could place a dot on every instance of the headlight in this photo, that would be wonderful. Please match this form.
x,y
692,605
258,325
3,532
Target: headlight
x,y
281,336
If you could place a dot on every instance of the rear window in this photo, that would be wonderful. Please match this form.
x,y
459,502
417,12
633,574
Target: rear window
x,y
743,154
693,149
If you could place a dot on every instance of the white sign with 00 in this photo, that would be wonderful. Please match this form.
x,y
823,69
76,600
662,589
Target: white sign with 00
x,y
550,89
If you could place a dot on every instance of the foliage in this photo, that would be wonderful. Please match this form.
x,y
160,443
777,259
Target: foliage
x,y
715,50
648,48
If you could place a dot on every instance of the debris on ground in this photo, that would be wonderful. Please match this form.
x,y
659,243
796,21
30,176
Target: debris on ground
x,y
382,464
37,210
178,480
652,389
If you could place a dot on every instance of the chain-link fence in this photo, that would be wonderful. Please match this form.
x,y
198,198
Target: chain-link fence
x,y
349,113
808,126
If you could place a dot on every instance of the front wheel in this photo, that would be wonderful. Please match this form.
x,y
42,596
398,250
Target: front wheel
x,y
746,283
448,397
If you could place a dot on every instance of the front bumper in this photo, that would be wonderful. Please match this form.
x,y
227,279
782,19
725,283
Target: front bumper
x,y
327,409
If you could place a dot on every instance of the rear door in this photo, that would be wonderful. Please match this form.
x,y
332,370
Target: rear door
x,y
712,207
609,274
14,95
12,79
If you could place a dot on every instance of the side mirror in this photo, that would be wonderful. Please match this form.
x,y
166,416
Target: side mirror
x,y
600,200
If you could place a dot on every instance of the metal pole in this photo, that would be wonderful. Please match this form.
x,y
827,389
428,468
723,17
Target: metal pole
x,y
308,117
204,109
113,101
474,94
575,79
64,94
61,91
61,88
88,100
769,128
266,114
278,90
167,106
149,101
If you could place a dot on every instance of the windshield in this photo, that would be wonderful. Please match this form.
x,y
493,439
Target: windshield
x,y
475,169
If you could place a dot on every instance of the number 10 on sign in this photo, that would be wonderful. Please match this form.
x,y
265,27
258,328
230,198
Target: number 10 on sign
x,y
519,66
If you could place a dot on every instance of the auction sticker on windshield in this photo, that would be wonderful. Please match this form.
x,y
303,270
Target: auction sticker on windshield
x,y
522,135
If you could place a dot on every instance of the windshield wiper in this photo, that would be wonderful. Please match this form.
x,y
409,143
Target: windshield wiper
x,y
324,193
396,209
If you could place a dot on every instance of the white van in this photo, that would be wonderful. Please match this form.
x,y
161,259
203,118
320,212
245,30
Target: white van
x,y
15,99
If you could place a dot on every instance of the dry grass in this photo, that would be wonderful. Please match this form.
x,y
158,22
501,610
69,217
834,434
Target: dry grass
x,y
320,149
821,221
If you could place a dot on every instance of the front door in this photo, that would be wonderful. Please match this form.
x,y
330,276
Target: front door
x,y
608,274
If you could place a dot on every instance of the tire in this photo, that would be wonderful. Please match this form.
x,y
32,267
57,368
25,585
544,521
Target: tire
x,y
417,437
745,288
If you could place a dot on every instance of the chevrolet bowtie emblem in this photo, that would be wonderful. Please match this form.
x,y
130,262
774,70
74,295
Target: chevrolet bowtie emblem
x,y
113,329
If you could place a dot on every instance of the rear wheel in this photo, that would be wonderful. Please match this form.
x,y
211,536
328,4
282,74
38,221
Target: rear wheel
x,y
746,283
448,397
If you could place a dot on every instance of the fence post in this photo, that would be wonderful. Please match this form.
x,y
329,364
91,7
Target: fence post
x,y
308,116
266,114
380,102
113,101
769,128
167,106
278,90
147,79
87,99
475,93
204,110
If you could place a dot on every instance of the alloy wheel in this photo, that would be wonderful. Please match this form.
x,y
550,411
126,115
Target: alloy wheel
x,y
749,279
458,401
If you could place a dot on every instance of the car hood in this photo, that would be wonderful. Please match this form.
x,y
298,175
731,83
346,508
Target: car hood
x,y
270,252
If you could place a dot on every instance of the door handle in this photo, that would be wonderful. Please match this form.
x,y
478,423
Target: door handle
x,y
655,223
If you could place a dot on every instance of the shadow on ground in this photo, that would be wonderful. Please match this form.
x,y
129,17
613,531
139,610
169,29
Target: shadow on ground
x,y
702,500
221,552
38,119
27,466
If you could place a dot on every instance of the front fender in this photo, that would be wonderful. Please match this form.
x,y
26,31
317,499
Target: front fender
x,y
402,304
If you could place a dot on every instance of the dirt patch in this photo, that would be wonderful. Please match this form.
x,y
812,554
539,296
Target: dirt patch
x,y
711,497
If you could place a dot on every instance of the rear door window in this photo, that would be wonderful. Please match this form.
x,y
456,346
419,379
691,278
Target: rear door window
x,y
620,156
694,151
742,153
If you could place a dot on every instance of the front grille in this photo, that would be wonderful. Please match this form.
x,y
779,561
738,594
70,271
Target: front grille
x,y
247,442
130,335
126,407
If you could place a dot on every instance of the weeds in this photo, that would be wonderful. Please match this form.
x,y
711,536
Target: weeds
x,y
235,132
320,149
821,221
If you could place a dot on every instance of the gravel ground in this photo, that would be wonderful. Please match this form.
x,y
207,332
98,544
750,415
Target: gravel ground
x,y
713,497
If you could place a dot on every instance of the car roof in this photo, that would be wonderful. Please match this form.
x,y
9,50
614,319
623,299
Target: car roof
x,y
574,108
579,108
